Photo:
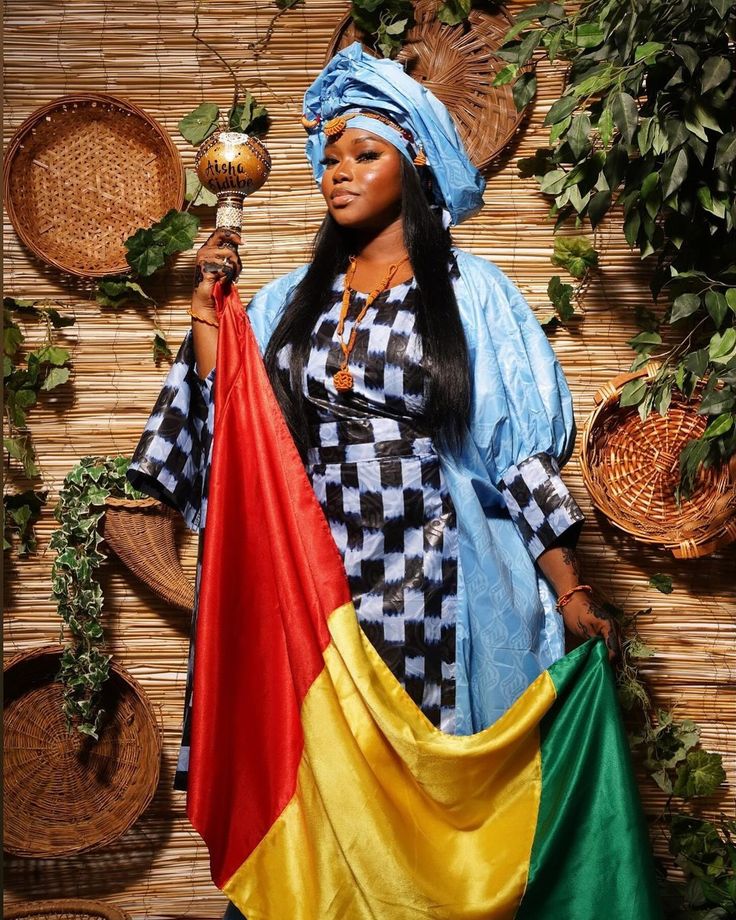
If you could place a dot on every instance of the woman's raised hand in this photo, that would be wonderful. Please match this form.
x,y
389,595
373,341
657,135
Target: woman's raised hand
x,y
217,258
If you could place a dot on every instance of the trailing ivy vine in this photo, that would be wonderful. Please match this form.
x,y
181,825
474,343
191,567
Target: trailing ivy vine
x,y
26,375
85,666
647,124
670,752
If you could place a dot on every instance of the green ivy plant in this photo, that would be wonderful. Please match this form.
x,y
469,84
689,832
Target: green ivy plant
x,y
21,510
706,853
85,666
670,752
647,124
27,375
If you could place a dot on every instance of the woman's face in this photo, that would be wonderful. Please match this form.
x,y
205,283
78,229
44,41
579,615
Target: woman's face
x,y
362,180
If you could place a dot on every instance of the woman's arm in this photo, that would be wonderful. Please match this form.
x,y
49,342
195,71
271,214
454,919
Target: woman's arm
x,y
212,255
583,617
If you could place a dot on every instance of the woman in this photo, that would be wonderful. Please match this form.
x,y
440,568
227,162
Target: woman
x,y
426,403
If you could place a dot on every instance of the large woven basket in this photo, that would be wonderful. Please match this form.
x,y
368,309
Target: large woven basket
x,y
64,793
82,174
631,469
64,909
141,533
457,63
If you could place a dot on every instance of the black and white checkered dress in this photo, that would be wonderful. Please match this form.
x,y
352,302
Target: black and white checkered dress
x,y
377,476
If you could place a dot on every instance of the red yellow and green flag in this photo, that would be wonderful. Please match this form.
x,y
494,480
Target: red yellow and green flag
x,y
320,789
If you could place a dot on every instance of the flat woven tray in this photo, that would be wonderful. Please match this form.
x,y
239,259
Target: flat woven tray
x,y
458,65
82,174
64,909
64,793
631,469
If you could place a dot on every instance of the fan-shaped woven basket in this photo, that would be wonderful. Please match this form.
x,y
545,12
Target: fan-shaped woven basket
x,y
141,533
457,63
65,909
82,174
631,469
64,793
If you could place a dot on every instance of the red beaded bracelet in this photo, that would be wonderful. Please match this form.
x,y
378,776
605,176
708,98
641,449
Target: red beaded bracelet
x,y
566,597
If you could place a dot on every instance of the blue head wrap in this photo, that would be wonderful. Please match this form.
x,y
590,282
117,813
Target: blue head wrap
x,y
354,82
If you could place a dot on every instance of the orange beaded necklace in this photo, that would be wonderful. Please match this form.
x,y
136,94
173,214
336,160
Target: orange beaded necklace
x,y
342,378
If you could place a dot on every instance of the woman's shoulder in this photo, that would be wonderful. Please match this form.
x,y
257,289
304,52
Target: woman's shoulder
x,y
480,270
275,290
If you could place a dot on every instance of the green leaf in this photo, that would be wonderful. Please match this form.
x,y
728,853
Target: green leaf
x,y
577,136
524,90
648,51
719,426
176,231
673,173
715,71
721,345
559,110
625,115
588,35
688,55
725,149
52,354
716,402
453,12
605,126
575,254
114,292
645,341
248,117
160,346
143,253
598,207
505,75
552,182
21,449
200,123
701,774
633,392
717,306
697,362
684,305
59,320
197,193
561,297
662,583
55,377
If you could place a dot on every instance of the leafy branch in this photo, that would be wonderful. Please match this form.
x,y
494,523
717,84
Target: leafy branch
x,y
647,125
670,752
84,665
27,376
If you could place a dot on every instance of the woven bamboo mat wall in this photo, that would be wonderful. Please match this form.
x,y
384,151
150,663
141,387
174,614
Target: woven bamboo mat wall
x,y
144,52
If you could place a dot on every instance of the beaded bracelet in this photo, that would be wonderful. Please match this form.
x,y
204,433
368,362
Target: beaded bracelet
x,y
567,596
202,319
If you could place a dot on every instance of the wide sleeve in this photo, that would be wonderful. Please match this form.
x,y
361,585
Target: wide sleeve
x,y
522,412
172,459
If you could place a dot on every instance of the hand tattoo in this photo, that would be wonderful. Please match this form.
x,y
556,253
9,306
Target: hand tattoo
x,y
198,276
569,558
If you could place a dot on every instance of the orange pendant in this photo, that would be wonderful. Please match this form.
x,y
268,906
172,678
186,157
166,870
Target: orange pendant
x,y
343,380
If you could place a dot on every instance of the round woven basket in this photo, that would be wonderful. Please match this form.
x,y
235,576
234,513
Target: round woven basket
x,y
65,793
65,909
82,174
141,533
458,65
631,469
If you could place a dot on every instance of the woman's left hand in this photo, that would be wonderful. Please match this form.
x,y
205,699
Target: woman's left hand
x,y
585,618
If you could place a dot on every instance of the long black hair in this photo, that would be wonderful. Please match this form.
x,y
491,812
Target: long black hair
x,y
444,347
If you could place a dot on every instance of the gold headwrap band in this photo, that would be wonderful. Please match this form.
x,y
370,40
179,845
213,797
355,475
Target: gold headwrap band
x,y
335,126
